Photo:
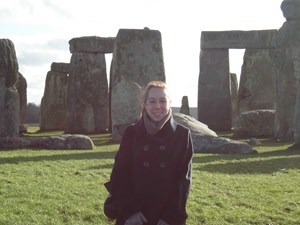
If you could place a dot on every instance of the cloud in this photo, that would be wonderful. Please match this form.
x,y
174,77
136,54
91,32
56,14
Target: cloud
x,y
41,56
5,13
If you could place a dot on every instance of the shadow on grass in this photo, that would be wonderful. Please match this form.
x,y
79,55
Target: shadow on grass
x,y
60,157
261,163
106,166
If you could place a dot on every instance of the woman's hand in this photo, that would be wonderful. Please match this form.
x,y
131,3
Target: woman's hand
x,y
161,222
136,219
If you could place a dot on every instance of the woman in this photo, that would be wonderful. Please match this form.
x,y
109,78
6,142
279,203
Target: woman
x,y
151,176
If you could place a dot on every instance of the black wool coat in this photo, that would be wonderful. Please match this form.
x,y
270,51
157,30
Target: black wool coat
x,y
152,173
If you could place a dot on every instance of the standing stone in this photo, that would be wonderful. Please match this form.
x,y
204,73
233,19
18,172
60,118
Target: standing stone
x,y
9,97
285,63
185,109
234,85
214,100
256,90
137,60
53,104
87,110
87,98
289,38
21,86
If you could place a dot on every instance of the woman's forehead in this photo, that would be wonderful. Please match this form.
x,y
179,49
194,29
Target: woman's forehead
x,y
157,92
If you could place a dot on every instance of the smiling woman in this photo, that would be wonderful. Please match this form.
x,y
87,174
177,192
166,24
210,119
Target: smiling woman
x,y
151,177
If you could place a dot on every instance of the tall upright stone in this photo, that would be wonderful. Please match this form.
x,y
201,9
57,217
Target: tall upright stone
x,y
185,108
87,98
137,60
214,86
21,86
289,43
256,89
286,69
9,97
53,103
234,85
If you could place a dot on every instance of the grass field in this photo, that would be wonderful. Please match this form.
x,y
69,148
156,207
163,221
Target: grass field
x,y
66,187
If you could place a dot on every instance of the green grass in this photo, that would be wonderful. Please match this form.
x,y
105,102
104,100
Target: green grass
x,y
66,187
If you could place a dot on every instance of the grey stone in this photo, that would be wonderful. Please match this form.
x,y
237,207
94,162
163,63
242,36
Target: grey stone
x,y
291,9
92,44
256,90
54,102
254,141
9,97
234,85
125,106
21,86
8,63
66,141
185,109
60,67
285,63
256,123
214,99
87,97
207,141
238,39
137,60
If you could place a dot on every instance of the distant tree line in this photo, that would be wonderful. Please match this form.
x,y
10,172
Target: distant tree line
x,y
32,113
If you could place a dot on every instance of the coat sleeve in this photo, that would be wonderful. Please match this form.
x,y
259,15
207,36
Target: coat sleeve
x,y
120,177
175,212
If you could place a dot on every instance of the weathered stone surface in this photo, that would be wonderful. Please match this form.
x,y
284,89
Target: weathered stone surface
x,y
234,96
66,141
256,123
285,63
214,100
21,86
60,67
291,9
185,109
207,141
137,58
23,128
288,42
285,100
87,98
238,39
256,90
92,44
196,127
53,103
9,97
8,63
9,112
125,106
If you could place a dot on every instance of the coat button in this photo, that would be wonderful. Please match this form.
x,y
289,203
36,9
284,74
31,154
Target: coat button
x,y
162,148
163,164
146,164
146,147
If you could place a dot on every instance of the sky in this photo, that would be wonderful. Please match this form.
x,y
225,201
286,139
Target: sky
x,y
41,30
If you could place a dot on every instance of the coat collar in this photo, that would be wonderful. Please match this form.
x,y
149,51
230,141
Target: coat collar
x,y
167,130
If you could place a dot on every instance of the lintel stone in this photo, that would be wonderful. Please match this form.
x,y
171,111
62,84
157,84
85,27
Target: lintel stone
x,y
238,39
92,44
60,67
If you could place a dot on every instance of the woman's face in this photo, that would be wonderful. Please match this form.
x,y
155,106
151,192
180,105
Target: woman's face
x,y
157,104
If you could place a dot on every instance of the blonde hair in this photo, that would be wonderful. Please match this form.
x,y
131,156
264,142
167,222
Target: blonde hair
x,y
150,85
